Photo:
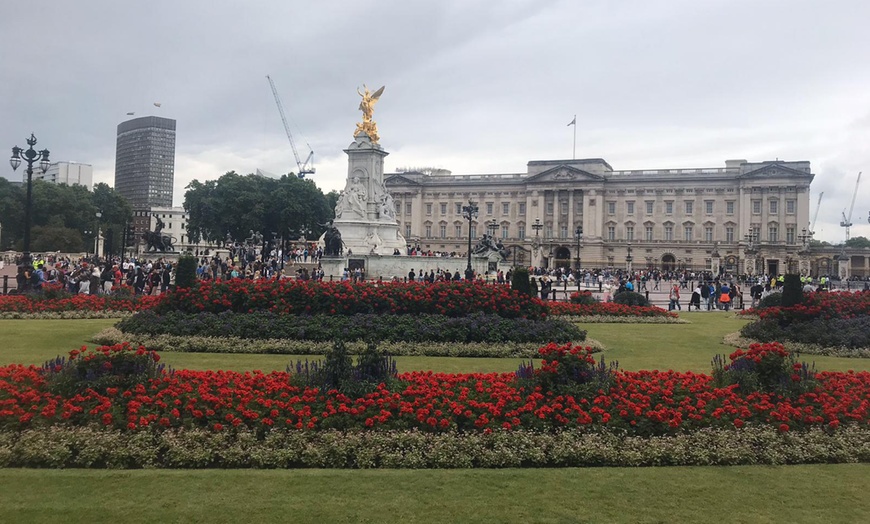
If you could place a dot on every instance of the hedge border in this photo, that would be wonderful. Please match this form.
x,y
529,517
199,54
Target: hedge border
x,y
93,447
65,315
234,345
738,340
613,319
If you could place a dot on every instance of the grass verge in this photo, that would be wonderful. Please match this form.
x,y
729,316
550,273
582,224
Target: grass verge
x,y
678,494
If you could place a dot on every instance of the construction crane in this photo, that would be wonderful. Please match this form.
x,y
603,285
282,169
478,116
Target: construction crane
x,y
303,168
847,220
816,214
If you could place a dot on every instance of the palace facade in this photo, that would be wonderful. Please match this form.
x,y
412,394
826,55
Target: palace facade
x,y
583,213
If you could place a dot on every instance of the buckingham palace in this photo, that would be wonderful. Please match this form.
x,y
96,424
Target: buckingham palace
x,y
750,216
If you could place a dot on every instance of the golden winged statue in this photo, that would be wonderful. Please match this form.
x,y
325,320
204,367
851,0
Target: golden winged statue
x,y
367,106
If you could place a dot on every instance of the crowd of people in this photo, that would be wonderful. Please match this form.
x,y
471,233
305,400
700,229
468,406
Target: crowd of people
x,y
92,275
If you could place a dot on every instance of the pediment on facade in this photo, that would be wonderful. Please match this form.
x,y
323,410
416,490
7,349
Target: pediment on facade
x,y
399,180
565,173
774,171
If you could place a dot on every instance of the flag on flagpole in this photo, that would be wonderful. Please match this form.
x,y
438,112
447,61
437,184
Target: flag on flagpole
x,y
157,104
130,114
573,122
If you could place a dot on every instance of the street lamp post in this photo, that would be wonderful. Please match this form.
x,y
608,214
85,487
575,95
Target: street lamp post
x,y
30,157
536,244
628,259
492,226
469,212
578,235
99,215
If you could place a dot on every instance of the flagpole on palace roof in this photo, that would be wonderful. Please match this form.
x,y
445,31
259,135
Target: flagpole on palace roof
x,y
574,150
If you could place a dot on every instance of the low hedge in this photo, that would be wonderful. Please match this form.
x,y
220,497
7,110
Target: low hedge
x,y
92,447
198,344
851,333
261,325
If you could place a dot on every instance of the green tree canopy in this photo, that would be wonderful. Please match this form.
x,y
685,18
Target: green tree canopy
x,y
858,242
238,204
61,215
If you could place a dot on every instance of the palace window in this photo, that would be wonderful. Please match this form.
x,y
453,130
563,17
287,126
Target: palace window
x,y
756,207
669,208
708,234
473,230
708,207
522,208
649,233
629,208
690,207
428,209
729,207
521,231
611,232
443,209
407,230
729,234
790,206
774,207
549,208
629,232
407,208
772,233
505,208
428,231
564,208
563,232
548,231
457,231
611,208
789,235
459,208
649,208
669,233
504,231
489,208
443,231
688,231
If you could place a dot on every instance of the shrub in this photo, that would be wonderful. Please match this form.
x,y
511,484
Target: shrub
x,y
337,371
520,281
568,370
120,366
630,298
766,368
185,272
477,327
584,298
772,300
792,293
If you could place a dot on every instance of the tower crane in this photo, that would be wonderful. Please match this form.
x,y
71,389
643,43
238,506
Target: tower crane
x,y
816,214
303,168
847,221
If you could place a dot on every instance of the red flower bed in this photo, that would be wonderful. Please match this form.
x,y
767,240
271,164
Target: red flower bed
x,y
453,299
607,309
824,305
36,303
644,402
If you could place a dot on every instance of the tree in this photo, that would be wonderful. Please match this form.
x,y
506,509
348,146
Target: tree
x,y
61,214
858,242
238,204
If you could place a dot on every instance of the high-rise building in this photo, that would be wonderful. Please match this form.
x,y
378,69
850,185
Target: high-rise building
x,y
69,173
145,161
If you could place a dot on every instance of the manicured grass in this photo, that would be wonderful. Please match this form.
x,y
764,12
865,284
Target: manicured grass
x,y
686,347
815,493
636,346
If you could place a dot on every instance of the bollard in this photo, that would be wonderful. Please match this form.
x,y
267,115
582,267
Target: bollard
x,y
647,295
5,284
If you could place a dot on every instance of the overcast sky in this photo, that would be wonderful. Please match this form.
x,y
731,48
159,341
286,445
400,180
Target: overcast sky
x,y
471,86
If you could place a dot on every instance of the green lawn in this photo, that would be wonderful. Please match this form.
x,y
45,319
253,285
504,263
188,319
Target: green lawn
x,y
817,493
636,346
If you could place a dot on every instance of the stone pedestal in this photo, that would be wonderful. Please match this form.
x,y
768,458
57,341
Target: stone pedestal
x,y
365,213
843,267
